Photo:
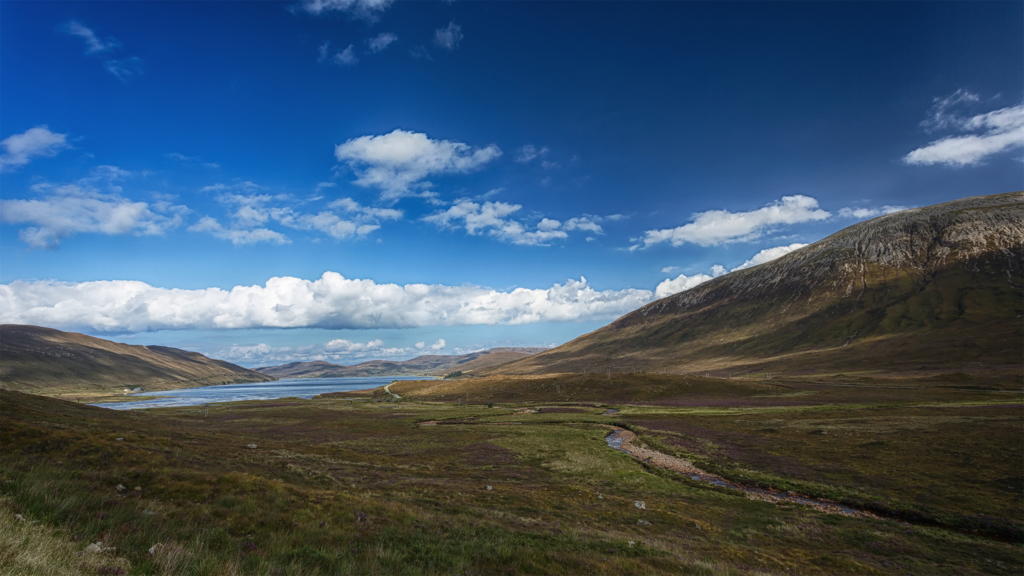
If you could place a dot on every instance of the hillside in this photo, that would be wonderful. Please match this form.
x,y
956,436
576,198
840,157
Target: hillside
x,y
929,289
429,365
42,360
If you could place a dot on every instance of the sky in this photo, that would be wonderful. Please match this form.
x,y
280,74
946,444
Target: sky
x,y
348,180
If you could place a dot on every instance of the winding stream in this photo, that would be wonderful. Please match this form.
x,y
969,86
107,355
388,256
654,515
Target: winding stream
x,y
623,440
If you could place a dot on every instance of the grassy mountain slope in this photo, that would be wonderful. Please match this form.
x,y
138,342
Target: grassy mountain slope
x,y
935,288
433,364
41,360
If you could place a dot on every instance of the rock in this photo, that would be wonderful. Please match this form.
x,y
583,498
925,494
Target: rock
x,y
252,446
119,439
489,487
147,512
640,505
138,488
20,518
94,548
121,488
600,497
631,543
155,548
642,523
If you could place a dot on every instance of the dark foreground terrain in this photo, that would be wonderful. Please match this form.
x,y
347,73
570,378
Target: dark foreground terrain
x,y
424,485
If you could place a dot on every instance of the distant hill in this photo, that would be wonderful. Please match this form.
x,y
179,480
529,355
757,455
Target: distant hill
x,y
935,288
37,359
430,365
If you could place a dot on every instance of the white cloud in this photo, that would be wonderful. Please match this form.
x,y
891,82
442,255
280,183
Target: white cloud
x,y
529,152
125,68
322,51
346,57
381,41
369,10
769,254
682,282
191,160
250,211
340,350
588,223
942,114
995,132
491,218
869,212
351,205
93,43
399,161
332,302
716,227
19,149
549,165
449,36
341,345
420,52
65,210
238,236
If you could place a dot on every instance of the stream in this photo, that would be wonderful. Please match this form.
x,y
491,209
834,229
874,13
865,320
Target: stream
x,y
622,440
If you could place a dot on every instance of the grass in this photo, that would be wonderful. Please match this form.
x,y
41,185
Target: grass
x,y
363,489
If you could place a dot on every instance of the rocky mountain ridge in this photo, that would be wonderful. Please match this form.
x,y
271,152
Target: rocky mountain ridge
x,y
926,288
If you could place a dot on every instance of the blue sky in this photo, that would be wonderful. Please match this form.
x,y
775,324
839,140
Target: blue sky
x,y
355,179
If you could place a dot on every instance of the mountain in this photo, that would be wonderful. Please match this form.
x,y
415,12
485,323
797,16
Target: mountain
x,y
432,365
935,288
37,359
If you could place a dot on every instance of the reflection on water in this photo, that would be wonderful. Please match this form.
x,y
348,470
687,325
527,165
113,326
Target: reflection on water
x,y
291,388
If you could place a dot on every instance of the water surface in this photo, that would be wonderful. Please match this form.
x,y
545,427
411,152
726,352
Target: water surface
x,y
288,388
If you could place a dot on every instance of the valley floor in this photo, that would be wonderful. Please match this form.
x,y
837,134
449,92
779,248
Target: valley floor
x,y
430,485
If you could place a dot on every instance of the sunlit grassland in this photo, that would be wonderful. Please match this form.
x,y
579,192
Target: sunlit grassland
x,y
362,488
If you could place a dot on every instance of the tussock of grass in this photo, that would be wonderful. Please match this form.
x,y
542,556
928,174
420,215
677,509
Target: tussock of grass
x,y
32,549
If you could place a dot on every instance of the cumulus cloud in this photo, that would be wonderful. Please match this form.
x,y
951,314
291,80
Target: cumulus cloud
x,y
683,282
339,350
20,149
680,283
492,219
346,57
529,152
420,52
869,212
124,68
380,42
400,161
93,43
332,302
716,227
769,254
368,10
250,212
64,210
944,111
191,160
993,132
449,36
238,236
